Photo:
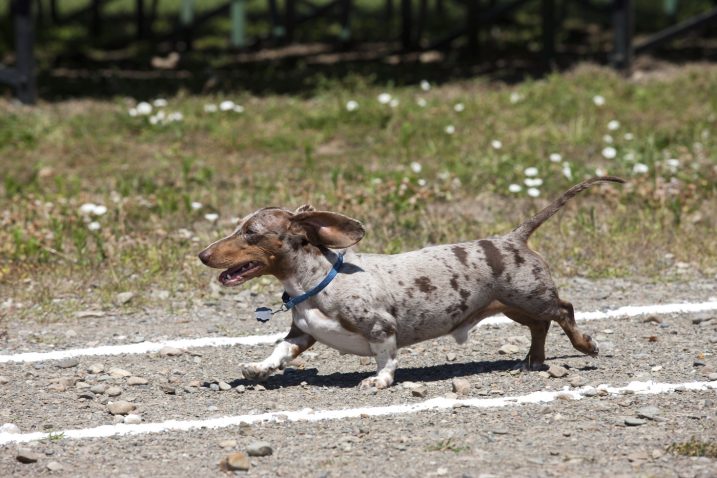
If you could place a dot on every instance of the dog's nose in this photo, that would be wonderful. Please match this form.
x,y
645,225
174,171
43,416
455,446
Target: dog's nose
x,y
204,256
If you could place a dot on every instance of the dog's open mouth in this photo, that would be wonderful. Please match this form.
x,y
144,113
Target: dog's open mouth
x,y
242,273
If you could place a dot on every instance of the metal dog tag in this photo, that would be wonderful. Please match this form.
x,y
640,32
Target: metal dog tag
x,y
263,314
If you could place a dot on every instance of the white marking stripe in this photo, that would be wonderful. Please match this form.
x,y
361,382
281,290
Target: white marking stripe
x,y
439,403
145,347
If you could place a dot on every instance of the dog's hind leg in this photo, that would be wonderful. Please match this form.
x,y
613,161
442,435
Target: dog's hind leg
x,y
538,332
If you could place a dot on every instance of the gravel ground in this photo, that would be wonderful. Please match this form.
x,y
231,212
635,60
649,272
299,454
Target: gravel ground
x,y
560,438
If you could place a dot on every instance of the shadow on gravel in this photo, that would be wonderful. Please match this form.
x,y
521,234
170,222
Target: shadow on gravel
x,y
432,373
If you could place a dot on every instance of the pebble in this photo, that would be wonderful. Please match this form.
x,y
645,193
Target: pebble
x,y
508,349
168,389
68,363
170,351
420,391
214,387
57,387
259,448
54,466
241,388
589,392
119,373
698,363
556,371
259,388
543,374
99,388
133,419
500,431
634,422
121,407
712,376
648,412
137,381
124,297
451,357
25,455
227,444
656,368
87,395
224,386
578,381
4,380
96,368
114,391
461,386
9,428
237,461
83,314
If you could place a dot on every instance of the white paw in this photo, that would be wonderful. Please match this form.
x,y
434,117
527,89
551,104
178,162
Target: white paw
x,y
378,381
257,371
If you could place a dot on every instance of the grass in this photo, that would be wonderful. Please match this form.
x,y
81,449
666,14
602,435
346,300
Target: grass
x,y
394,168
694,447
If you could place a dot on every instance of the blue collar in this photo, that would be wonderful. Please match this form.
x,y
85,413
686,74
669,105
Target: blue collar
x,y
290,302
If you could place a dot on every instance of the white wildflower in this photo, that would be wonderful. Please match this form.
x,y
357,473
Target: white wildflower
x,y
421,182
555,157
87,208
132,112
640,168
515,97
673,164
531,171
211,216
238,109
567,171
384,98
352,105
607,139
94,226
609,152
210,108
196,205
153,119
450,129
600,171
160,103
629,136
100,210
515,188
459,107
425,85
599,100
496,144
416,167
533,192
533,182
175,116
393,103
630,156
376,181
144,108
613,125
421,102
226,105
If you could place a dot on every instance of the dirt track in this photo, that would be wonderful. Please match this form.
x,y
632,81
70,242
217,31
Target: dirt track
x,y
559,438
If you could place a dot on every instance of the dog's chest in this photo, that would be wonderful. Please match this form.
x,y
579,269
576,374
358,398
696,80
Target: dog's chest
x,y
330,332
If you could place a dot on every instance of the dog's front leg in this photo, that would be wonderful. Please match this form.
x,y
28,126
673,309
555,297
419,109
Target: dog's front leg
x,y
385,352
287,350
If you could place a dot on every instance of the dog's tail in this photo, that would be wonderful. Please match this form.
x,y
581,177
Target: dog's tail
x,y
524,231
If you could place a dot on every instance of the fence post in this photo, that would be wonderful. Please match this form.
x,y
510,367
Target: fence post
x,y
238,15
622,19
25,62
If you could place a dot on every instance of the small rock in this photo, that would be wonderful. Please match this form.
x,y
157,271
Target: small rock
x,y
57,387
259,388
121,407
214,387
70,334
500,431
68,363
4,380
137,381
168,389
9,428
123,297
83,314
223,386
259,448
656,368
543,374
114,392
119,373
589,392
634,422
170,351
82,385
133,419
26,455
698,363
87,395
96,368
228,444
508,349
578,381
365,360
556,371
237,461
712,376
461,386
657,453
241,388
451,357
99,388
653,319
54,466
420,391
649,412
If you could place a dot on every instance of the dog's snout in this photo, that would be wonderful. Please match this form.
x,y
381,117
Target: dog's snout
x,y
204,256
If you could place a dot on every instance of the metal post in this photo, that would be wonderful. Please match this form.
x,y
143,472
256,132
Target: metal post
x,y
25,62
96,9
407,24
548,7
140,19
186,19
622,19
238,16
290,20
472,22
345,34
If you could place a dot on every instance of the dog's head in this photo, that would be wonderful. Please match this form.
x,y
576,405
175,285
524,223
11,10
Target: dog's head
x,y
270,239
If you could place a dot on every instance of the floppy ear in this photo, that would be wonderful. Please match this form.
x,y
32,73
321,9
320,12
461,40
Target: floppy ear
x,y
323,228
304,208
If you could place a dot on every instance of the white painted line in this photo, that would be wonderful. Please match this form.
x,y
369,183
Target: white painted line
x,y
307,414
145,347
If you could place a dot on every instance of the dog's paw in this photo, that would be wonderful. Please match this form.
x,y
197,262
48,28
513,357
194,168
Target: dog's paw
x,y
528,365
594,346
256,371
377,381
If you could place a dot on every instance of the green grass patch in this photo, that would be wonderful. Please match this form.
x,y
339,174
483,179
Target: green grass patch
x,y
694,447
